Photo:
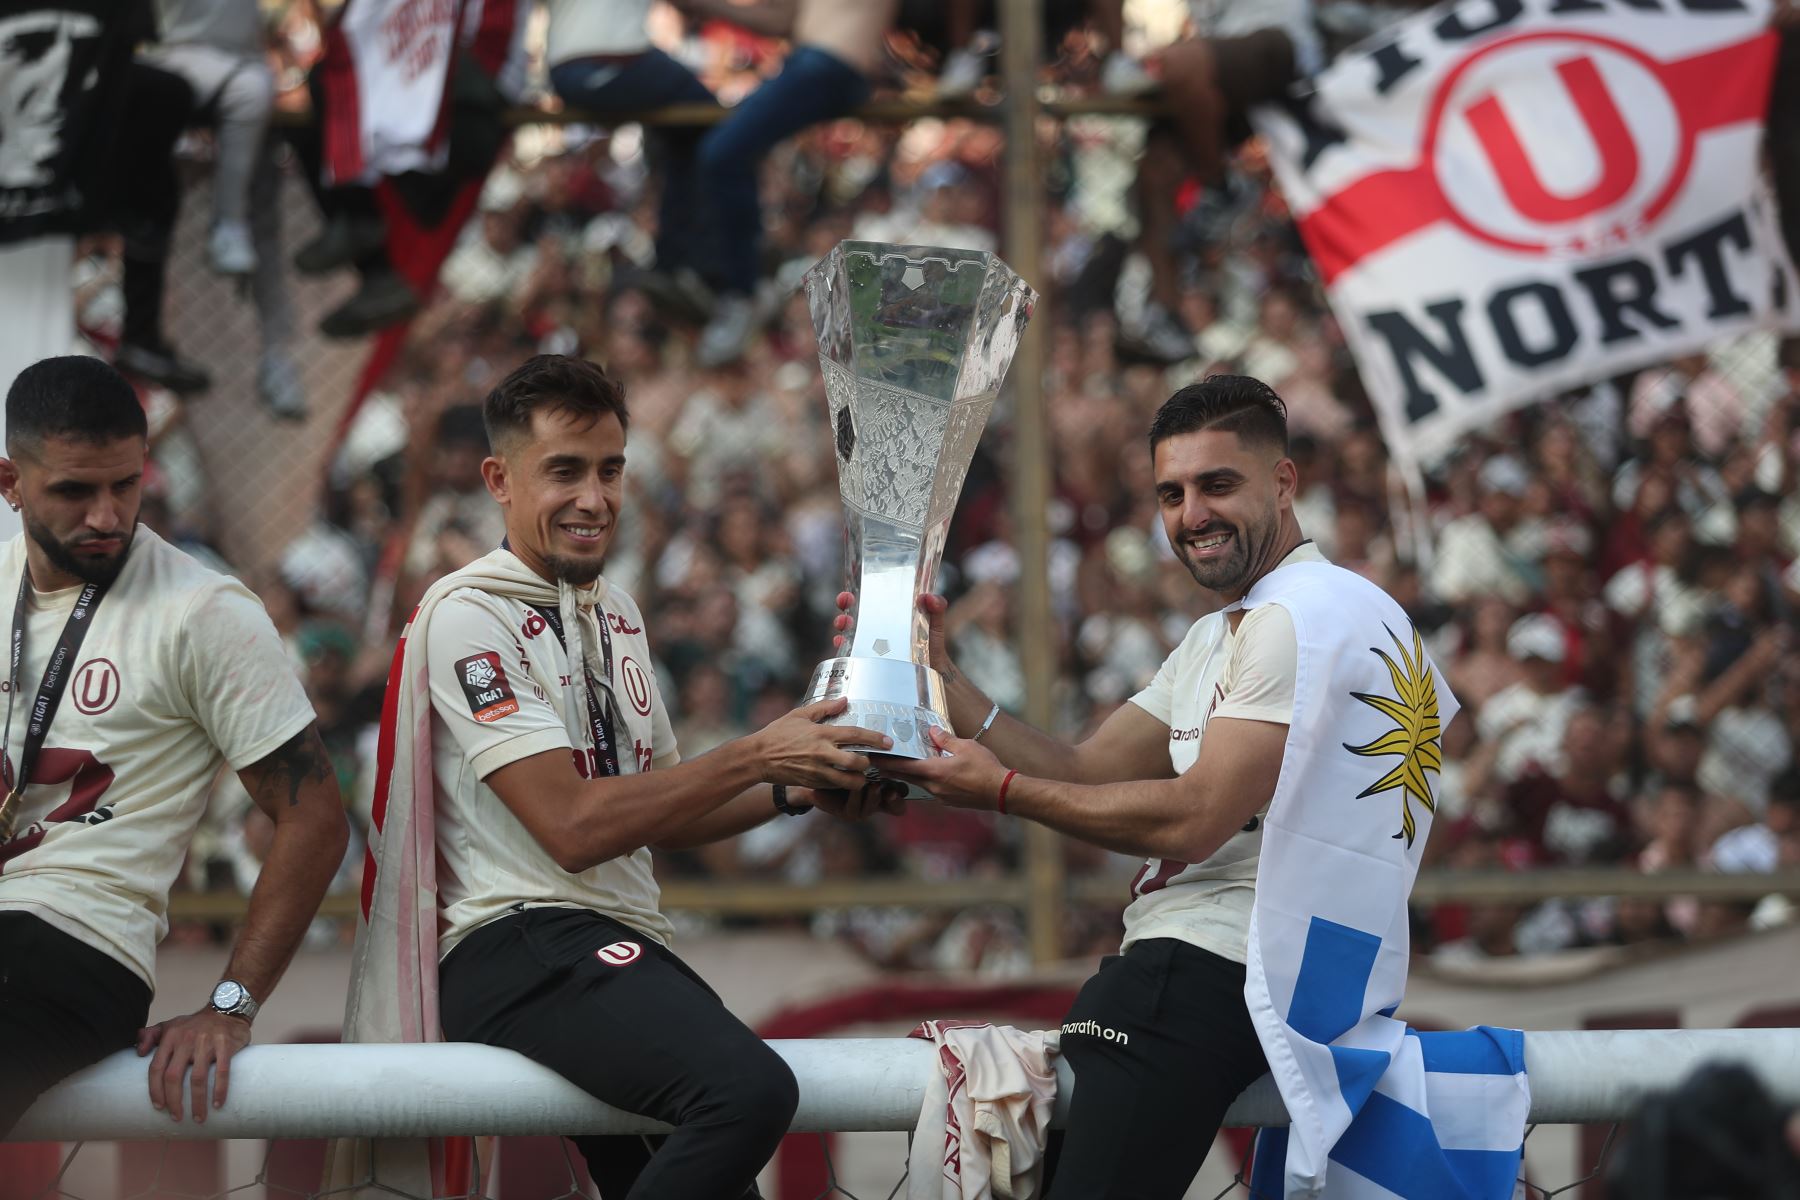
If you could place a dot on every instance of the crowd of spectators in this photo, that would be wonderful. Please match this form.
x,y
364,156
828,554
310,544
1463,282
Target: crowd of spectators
x,y
1608,580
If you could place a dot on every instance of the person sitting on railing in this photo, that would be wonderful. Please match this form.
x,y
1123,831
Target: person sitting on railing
x,y
1256,902
837,47
602,62
533,756
151,670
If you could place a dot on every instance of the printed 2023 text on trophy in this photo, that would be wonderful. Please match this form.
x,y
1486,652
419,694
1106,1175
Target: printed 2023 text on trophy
x,y
913,342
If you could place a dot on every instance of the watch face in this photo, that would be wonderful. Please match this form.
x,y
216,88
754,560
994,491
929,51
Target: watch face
x,y
227,995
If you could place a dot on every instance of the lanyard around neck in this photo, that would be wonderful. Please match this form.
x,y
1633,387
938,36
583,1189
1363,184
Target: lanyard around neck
x,y
50,690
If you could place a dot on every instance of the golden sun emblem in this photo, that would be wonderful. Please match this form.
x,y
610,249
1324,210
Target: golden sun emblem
x,y
1414,710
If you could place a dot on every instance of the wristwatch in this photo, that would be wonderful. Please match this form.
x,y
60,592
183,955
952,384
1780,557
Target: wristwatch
x,y
234,1000
779,791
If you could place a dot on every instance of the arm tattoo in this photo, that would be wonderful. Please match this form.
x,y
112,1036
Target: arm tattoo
x,y
297,760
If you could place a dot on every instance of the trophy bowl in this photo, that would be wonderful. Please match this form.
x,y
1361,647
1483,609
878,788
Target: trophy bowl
x,y
914,342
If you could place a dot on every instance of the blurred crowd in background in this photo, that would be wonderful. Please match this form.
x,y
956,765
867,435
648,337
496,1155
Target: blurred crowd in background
x,y
1609,580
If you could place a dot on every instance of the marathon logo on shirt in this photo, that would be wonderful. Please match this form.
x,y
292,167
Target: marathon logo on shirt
x,y
483,681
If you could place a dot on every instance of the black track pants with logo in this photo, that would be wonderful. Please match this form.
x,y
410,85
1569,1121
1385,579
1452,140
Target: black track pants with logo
x,y
637,1028
63,1005
1161,1044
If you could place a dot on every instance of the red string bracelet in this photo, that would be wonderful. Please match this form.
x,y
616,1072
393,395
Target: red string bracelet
x,y
1000,800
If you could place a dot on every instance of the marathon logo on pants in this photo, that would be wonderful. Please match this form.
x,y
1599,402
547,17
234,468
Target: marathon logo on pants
x,y
1095,1029
619,954
483,681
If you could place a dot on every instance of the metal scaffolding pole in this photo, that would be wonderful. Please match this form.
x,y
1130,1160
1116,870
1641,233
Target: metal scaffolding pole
x,y
1020,43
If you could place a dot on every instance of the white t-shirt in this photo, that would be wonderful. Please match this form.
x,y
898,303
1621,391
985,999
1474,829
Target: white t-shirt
x,y
498,695
1247,675
580,28
181,669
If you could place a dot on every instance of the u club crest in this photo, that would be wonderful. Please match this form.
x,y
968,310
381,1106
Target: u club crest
x,y
95,688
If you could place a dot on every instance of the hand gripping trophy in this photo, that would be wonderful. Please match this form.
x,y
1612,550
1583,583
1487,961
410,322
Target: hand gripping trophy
x,y
913,343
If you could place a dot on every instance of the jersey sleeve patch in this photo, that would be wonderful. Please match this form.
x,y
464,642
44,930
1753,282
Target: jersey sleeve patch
x,y
484,682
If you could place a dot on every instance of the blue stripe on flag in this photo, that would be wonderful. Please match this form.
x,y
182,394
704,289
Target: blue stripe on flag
x,y
1391,1145
1482,1050
1268,1166
1358,1071
1334,975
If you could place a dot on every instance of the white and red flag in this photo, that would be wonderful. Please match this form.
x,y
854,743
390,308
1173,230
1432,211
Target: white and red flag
x,y
1510,198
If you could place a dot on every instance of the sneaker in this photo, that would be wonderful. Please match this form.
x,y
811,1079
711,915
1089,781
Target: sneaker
x,y
1123,75
728,334
229,248
962,74
161,365
384,299
278,383
1161,337
340,244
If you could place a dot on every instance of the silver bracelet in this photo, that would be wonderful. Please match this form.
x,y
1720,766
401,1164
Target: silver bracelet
x,y
987,724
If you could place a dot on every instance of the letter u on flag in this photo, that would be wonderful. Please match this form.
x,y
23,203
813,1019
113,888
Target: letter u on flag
x,y
1509,198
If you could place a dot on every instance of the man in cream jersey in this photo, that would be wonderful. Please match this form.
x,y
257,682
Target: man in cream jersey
x,y
1166,1035
525,727
133,672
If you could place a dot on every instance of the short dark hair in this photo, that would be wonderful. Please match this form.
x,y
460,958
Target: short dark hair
x,y
558,382
72,396
1231,403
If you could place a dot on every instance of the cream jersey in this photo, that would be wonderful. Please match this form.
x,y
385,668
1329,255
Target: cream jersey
x,y
181,670
499,690
1215,672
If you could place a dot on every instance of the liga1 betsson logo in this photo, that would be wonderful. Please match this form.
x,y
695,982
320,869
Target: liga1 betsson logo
x,y
479,672
485,687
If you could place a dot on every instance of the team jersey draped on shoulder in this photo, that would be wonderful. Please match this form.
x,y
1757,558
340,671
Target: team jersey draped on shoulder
x,y
1215,672
502,681
182,669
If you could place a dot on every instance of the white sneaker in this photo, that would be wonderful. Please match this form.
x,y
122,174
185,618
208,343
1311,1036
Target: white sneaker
x,y
964,69
230,249
1123,75
728,334
278,383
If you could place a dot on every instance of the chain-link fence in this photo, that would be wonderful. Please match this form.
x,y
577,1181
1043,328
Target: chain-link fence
x,y
1608,578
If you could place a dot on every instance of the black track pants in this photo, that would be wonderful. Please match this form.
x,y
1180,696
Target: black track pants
x,y
1161,1044
636,1028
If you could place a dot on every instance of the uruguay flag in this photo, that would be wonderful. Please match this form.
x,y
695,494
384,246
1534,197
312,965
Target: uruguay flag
x,y
1375,1109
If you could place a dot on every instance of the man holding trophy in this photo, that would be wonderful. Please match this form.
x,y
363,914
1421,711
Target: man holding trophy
x,y
528,766
1240,951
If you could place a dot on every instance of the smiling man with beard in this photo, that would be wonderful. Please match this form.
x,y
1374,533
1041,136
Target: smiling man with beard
x,y
1161,1039
134,672
526,726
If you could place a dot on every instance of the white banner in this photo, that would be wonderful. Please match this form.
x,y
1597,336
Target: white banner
x,y
1510,198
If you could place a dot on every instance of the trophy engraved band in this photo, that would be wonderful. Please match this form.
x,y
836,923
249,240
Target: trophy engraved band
x,y
913,344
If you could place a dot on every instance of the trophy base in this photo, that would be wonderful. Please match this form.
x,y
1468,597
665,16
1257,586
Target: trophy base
x,y
901,699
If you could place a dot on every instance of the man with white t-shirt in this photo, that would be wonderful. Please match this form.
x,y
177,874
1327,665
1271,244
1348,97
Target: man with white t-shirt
x,y
1161,1038
553,771
134,672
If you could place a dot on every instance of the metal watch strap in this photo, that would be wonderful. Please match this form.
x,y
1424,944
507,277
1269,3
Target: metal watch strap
x,y
779,791
246,1007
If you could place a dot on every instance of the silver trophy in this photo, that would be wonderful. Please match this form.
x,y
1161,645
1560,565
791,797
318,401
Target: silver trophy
x,y
913,343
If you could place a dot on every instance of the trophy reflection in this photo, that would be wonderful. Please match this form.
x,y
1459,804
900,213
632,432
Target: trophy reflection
x,y
913,343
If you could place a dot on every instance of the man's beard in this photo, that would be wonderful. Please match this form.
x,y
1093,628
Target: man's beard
x,y
87,568
577,571
1229,575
